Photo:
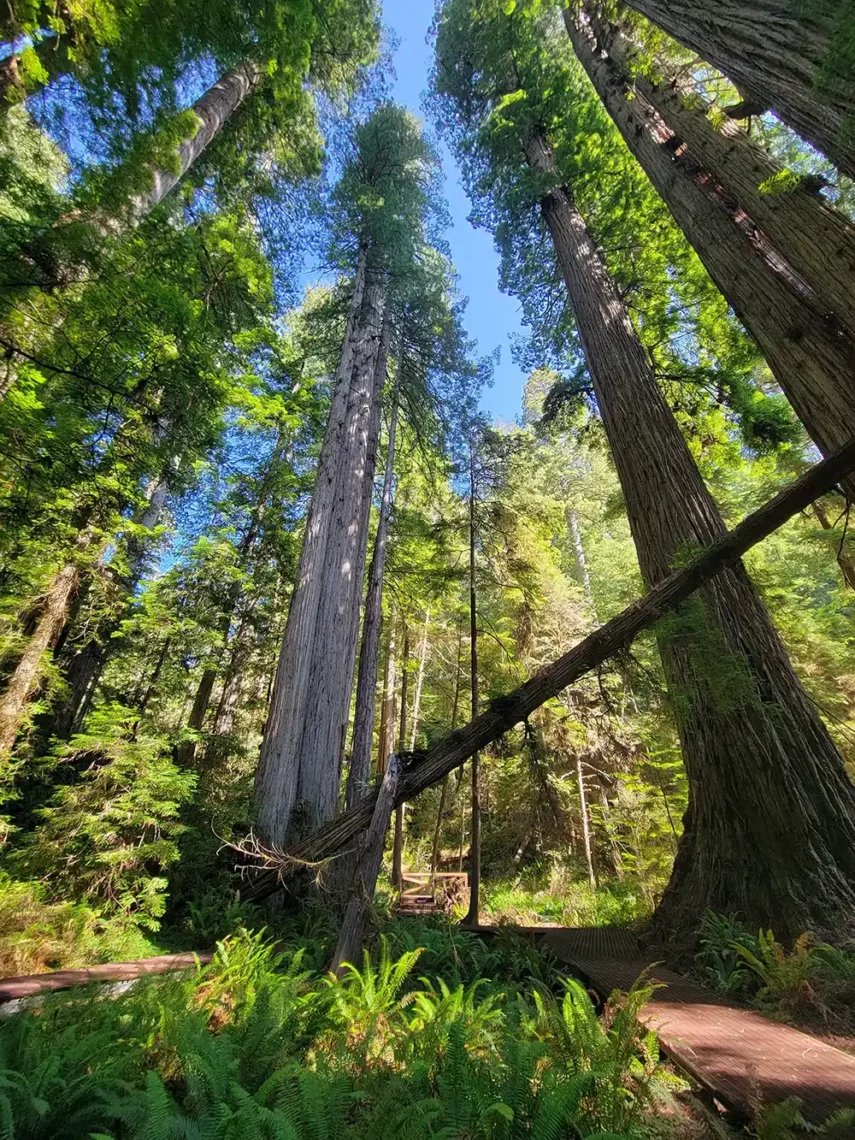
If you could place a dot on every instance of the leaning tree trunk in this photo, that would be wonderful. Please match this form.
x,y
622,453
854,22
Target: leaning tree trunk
x,y
770,829
816,239
420,681
212,111
810,352
777,54
359,772
30,669
303,742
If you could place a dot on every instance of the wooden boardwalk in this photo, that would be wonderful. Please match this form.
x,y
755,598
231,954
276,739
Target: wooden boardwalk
x,y
744,1059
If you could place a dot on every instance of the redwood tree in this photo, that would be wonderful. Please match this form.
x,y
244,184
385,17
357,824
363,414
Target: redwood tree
x,y
771,820
795,59
783,261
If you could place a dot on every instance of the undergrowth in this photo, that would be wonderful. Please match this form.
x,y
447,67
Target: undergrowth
x,y
812,981
417,1041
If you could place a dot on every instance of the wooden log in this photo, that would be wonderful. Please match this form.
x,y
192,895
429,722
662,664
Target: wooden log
x,y
30,985
452,750
368,868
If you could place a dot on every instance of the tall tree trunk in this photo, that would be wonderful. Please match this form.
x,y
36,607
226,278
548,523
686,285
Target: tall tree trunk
x,y
332,679
474,912
352,931
810,352
816,239
420,680
212,111
359,773
342,482
30,668
770,829
775,52
398,841
582,563
443,795
586,827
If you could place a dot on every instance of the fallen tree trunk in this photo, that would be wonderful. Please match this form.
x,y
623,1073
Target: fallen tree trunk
x,y
352,932
505,712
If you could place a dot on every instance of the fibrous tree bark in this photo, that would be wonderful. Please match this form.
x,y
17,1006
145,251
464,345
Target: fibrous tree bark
x,y
817,240
302,750
806,336
770,800
777,54
359,772
604,642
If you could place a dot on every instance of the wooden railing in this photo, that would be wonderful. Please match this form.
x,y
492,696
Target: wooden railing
x,y
443,889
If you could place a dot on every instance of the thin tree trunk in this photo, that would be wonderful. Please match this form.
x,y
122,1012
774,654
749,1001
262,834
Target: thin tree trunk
x,y
151,687
474,912
586,829
352,932
816,239
770,801
844,560
420,680
386,734
359,774
277,779
517,706
582,563
443,796
212,111
775,52
810,352
30,668
398,842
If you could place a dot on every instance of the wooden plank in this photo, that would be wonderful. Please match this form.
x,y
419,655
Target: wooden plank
x,y
743,1058
11,989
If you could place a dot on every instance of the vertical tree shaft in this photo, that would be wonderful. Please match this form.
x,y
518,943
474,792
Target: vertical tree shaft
x,y
474,911
586,829
398,841
278,775
28,671
366,682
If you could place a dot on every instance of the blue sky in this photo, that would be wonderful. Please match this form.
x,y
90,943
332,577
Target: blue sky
x,y
491,316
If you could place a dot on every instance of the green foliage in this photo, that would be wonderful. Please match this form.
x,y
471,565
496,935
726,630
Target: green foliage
x,y
110,834
254,1045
